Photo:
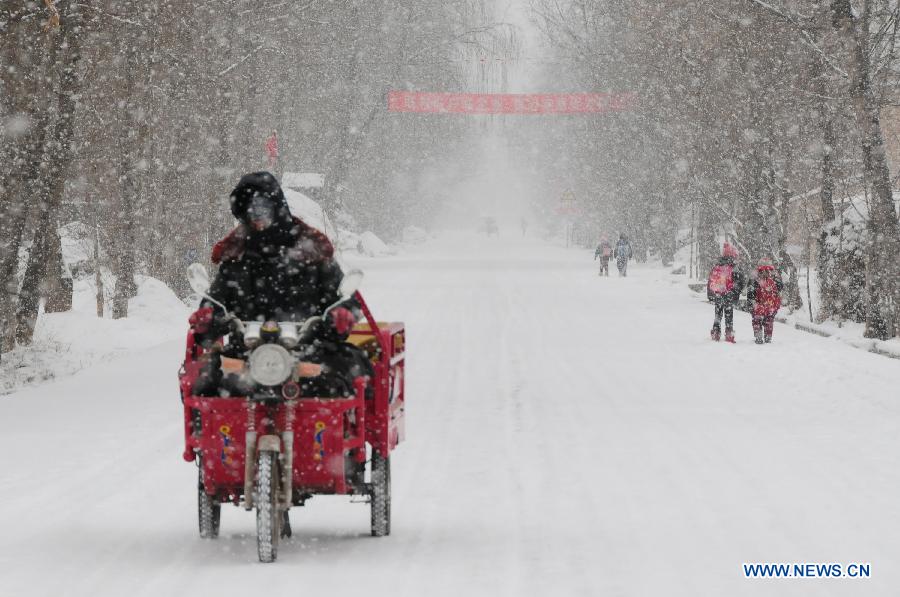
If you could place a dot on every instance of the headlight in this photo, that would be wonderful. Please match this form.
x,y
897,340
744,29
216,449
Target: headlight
x,y
270,365
252,333
288,338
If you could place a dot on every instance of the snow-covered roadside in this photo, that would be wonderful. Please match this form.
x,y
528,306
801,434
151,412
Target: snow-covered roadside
x,y
65,343
847,332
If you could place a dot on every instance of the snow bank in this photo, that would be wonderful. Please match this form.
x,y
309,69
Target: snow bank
x,y
65,343
309,211
414,235
847,332
155,303
848,232
77,243
344,240
347,241
372,246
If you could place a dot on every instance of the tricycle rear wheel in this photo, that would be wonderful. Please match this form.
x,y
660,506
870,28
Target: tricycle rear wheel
x,y
208,511
268,519
381,495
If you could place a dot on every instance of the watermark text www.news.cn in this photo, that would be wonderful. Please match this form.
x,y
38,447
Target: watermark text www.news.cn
x,y
807,570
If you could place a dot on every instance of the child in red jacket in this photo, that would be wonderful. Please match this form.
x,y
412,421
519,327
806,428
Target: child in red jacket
x,y
764,300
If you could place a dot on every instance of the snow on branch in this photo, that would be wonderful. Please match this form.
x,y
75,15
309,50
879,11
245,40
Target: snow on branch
x,y
241,61
109,16
807,38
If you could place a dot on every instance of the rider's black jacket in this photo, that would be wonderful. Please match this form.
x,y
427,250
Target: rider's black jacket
x,y
284,273
287,280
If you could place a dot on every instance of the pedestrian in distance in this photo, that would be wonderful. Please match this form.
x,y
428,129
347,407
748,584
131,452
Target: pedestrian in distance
x,y
622,254
723,288
764,300
603,253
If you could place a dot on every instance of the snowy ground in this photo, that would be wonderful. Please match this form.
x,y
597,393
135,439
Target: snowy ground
x,y
65,343
567,435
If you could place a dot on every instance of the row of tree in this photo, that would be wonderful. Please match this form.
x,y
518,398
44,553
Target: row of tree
x,y
750,112
134,119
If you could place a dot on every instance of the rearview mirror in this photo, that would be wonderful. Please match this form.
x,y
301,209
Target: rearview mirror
x,y
350,283
198,278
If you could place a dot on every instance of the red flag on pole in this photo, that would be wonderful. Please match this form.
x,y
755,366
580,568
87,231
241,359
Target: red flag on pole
x,y
272,149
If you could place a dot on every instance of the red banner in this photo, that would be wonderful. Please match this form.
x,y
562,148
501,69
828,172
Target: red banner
x,y
508,103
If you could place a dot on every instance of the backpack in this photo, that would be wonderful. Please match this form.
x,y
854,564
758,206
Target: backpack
x,y
767,299
721,279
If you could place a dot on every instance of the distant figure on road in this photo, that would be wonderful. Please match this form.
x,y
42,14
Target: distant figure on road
x,y
603,252
623,254
764,300
524,225
489,226
723,288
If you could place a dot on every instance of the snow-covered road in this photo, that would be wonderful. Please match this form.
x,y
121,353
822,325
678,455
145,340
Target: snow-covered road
x,y
567,435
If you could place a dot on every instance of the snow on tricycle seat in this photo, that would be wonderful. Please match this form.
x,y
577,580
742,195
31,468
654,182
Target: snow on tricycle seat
x,y
393,335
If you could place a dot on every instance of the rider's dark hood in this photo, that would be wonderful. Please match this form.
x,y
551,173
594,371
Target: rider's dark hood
x,y
263,185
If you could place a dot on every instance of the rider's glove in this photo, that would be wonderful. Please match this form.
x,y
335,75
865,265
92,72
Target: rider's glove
x,y
201,320
342,319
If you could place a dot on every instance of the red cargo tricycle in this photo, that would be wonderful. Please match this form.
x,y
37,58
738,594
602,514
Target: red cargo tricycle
x,y
274,448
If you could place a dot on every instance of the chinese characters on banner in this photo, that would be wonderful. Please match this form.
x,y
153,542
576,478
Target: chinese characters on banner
x,y
509,103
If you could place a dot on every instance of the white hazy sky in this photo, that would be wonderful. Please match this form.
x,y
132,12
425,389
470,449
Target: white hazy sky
x,y
524,77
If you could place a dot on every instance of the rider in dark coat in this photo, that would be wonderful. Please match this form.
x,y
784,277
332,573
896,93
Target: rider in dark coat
x,y
276,267
273,266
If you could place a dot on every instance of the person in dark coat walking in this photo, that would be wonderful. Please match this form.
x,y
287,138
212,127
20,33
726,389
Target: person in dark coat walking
x,y
723,289
275,267
764,300
622,254
603,253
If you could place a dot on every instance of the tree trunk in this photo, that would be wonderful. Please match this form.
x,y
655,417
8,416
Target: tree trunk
x,y
707,245
98,273
345,151
825,258
25,176
58,279
882,267
132,144
793,299
34,284
45,268
125,254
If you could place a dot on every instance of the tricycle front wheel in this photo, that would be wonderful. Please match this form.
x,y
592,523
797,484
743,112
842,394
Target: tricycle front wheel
x,y
381,495
268,520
